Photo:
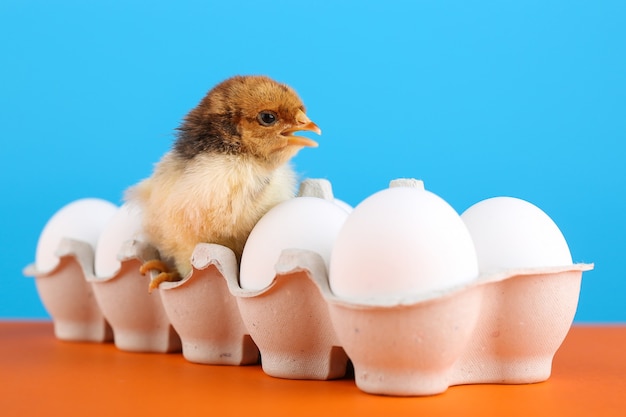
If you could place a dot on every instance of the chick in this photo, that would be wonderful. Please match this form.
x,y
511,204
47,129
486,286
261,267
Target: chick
x,y
226,169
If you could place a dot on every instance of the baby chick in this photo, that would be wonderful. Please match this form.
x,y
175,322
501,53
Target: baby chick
x,y
226,169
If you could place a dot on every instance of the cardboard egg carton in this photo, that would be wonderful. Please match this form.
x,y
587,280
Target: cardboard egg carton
x,y
501,327
68,297
100,309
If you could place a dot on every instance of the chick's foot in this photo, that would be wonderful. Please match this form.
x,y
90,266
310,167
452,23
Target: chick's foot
x,y
164,273
162,277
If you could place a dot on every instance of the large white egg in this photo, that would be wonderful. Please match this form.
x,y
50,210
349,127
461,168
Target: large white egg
x,y
125,225
308,223
512,233
400,242
81,220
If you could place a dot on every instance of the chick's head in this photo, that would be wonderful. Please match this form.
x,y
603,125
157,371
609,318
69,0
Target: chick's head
x,y
251,115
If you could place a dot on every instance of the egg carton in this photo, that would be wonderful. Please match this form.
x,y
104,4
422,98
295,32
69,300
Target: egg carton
x,y
417,297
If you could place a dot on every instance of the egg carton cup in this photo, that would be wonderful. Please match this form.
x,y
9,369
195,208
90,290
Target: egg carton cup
x,y
524,318
205,314
503,328
138,318
68,297
290,323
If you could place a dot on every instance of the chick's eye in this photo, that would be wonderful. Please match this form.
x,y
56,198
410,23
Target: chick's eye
x,y
267,118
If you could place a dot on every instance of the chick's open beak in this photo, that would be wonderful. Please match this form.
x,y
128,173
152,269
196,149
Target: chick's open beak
x,y
303,123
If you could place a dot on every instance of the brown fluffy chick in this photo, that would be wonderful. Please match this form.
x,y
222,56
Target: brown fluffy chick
x,y
227,168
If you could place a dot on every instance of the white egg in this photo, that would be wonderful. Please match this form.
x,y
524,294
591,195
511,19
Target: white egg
x,y
308,223
512,233
81,220
125,225
400,242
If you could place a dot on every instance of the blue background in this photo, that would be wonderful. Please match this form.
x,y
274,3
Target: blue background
x,y
478,99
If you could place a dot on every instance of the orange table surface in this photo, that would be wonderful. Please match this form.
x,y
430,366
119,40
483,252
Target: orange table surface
x,y
42,376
